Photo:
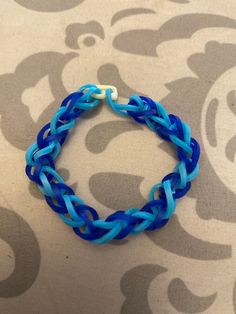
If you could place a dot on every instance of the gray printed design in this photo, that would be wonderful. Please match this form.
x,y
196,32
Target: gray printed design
x,y
175,239
17,125
230,149
184,301
17,233
129,12
49,6
74,31
145,41
21,133
210,127
101,131
209,67
116,190
221,105
135,285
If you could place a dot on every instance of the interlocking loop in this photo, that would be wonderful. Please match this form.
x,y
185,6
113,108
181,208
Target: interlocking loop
x,y
84,220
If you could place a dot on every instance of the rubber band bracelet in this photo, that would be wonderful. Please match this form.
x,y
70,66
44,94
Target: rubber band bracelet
x,y
84,219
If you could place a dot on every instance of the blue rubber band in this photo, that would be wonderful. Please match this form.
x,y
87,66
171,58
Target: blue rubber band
x,y
84,220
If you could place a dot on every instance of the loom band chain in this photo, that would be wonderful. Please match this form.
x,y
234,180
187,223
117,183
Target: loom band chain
x,y
174,178
53,147
157,209
100,91
59,190
79,103
192,162
114,106
56,202
141,117
193,175
29,156
88,105
45,160
150,124
119,228
145,219
90,231
55,207
155,212
183,176
90,87
159,221
161,114
174,139
70,99
58,138
101,236
109,235
136,105
113,228
195,156
75,220
177,126
43,143
187,133
71,222
150,108
167,196
127,223
102,94
83,218
38,171
57,126
154,190
155,123
178,193
71,112
88,215
145,109
49,144
41,135
87,101
120,109
45,182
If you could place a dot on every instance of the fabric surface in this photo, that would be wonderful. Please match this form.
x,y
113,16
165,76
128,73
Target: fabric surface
x,y
180,52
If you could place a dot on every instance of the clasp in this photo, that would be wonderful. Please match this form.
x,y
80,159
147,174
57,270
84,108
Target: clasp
x,y
103,88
